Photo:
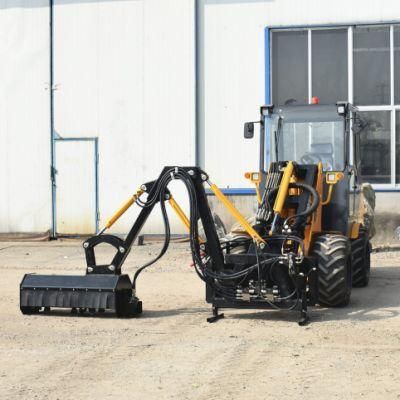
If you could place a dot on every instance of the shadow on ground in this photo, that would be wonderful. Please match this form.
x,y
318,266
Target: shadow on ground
x,y
379,301
109,314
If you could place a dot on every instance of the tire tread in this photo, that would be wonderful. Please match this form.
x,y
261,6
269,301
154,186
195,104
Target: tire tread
x,y
332,252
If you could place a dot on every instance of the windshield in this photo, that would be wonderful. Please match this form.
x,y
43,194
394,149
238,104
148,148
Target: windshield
x,y
308,138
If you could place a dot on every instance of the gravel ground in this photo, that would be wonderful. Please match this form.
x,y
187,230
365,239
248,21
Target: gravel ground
x,y
170,352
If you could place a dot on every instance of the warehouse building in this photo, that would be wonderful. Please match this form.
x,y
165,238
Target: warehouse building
x,y
96,96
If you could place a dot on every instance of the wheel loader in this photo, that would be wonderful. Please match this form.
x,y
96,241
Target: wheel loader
x,y
307,244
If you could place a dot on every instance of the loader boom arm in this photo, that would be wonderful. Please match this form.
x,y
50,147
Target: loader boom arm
x,y
155,196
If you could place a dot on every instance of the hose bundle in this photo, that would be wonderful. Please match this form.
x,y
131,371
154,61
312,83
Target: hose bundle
x,y
222,282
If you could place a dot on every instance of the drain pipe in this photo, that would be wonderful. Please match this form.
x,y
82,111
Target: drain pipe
x,y
53,234
197,56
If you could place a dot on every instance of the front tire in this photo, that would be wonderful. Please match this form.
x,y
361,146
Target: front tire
x,y
333,258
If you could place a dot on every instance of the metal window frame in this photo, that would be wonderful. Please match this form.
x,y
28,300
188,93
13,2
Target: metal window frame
x,y
392,186
392,107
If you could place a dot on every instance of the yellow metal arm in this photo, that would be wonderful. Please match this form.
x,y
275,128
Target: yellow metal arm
x,y
283,188
179,212
235,213
122,210
282,194
182,216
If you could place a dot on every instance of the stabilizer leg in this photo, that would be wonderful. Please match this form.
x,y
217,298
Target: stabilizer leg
x,y
216,316
304,318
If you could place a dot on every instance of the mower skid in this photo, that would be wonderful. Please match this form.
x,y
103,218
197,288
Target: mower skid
x,y
94,292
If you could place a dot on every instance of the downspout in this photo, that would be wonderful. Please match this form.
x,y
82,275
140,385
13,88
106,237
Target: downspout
x,y
53,234
197,82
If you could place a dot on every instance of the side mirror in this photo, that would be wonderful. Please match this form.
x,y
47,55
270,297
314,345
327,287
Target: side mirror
x,y
249,130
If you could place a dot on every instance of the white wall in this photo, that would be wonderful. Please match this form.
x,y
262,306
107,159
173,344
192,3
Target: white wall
x,y
125,71
233,68
25,203
233,82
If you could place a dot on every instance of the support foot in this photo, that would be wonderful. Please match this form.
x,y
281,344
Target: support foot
x,y
304,319
216,316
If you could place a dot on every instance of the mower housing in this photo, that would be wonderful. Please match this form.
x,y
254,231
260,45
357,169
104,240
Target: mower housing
x,y
92,292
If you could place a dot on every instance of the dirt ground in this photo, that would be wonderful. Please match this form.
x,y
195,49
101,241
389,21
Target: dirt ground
x,y
171,352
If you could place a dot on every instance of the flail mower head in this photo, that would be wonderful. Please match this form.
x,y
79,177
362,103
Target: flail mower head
x,y
93,293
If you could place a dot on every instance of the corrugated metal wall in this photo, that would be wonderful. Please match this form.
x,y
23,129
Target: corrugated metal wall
x,y
233,68
25,201
232,82
124,72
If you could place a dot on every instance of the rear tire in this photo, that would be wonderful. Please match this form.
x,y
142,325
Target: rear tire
x,y
332,254
361,260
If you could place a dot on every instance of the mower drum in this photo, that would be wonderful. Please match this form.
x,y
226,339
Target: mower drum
x,y
93,293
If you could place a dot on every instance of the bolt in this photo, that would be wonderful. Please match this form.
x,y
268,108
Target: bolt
x,y
202,247
111,267
143,187
86,245
191,172
203,177
121,249
262,245
90,269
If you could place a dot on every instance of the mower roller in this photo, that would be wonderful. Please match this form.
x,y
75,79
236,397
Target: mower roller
x,y
295,252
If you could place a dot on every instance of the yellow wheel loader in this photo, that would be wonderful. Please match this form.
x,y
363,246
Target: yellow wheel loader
x,y
307,244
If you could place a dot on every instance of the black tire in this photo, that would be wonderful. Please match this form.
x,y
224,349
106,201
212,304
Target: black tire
x,y
361,260
332,254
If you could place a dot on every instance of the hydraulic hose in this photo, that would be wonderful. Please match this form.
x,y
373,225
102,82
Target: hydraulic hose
x,y
315,201
160,195
297,185
221,282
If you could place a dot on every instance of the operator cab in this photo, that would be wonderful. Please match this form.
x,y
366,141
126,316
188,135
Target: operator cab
x,y
308,135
